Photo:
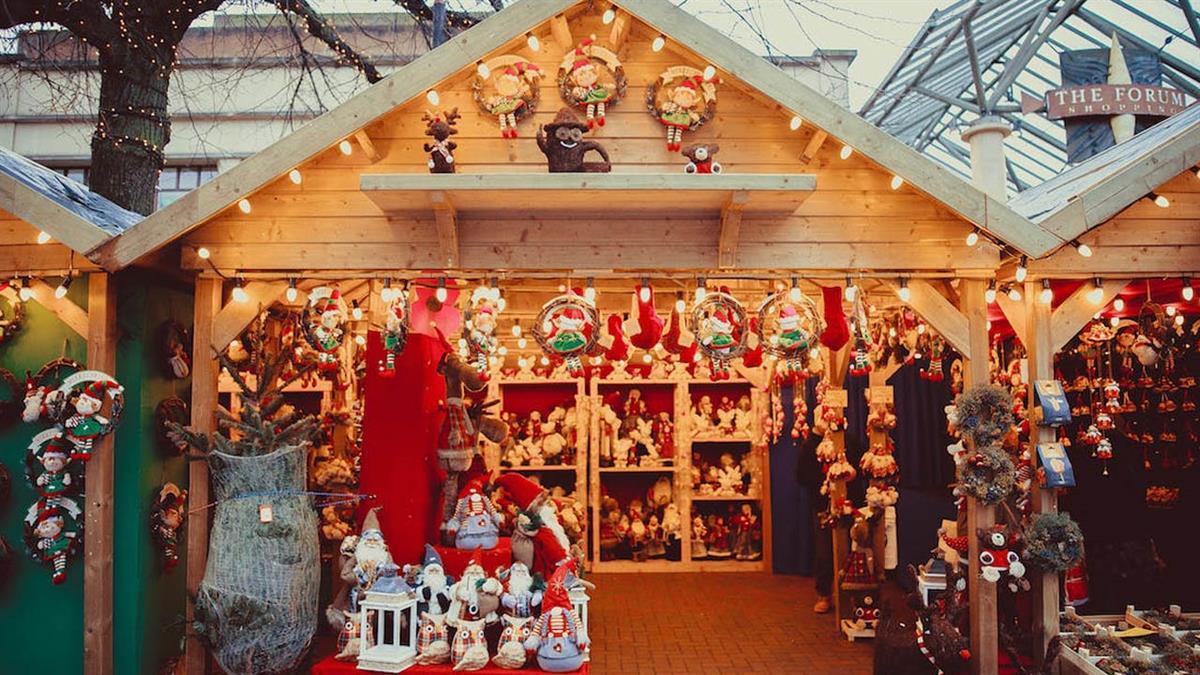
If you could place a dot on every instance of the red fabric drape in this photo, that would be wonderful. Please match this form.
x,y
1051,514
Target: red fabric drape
x,y
400,427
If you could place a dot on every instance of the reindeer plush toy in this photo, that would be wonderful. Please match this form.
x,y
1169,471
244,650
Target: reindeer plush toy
x,y
441,151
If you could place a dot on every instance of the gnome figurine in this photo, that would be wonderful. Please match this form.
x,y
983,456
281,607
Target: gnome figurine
x,y
558,636
539,540
476,522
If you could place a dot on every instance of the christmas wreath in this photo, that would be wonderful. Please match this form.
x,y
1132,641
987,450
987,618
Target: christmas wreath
x,y
988,475
1054,542
170,410
985,414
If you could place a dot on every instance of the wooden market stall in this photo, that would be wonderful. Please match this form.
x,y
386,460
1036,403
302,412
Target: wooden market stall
x,y
808,191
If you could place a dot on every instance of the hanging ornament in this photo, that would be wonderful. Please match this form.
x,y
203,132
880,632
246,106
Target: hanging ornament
x,y
49,467
53,534
1104,452
591,78
480,336
397,319
681,98
175,339
83,412
799,413
509,92
719,322
789,324
324,322
166,517
171,410
41,390
860,333
937,348
566,329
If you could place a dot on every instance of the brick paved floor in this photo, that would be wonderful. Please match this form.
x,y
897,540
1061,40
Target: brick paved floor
x,y
728,623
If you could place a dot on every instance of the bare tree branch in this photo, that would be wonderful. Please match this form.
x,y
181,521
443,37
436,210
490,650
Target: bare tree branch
x,y
325,32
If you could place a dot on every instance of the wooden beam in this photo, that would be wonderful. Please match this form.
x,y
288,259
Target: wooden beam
x,y
814,145
367,145
446,219
234,317
731,224
47,215
1040,353
98,501
71,314
1015,312
1074,312
204,410
941,315
984,631
620,30
561,31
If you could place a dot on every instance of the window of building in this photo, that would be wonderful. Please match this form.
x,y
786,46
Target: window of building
x,y
173,182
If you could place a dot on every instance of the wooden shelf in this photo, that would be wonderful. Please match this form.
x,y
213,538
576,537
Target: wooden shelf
x,y
534,469
727,565
722,439
641,195
649,566
637,469
724,498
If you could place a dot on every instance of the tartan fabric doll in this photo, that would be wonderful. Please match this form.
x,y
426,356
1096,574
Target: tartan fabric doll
x,y
475,523
510,651
558,636
470,648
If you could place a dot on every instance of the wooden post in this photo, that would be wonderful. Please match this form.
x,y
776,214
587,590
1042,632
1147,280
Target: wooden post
x,y
1038,345
204,408
984,631
98,502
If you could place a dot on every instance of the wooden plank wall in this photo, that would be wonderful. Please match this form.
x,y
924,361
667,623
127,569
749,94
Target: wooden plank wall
x,y
854,215
20,252
1141,239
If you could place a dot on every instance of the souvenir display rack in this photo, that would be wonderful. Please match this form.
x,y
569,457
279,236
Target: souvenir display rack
x,y
1136,641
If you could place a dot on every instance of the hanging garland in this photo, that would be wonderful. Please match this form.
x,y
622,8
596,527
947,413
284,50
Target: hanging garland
x,y
1054,542
566,329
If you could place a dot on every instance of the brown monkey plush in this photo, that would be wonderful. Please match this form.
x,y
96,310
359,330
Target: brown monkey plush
x,y
562,143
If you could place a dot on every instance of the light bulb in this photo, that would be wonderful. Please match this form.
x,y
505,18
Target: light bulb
x,y
1187,292
1083,249
1014,294
291,293
522,363
1095,295
1114,321
796,122
972,237
1161,201
851,291
1179,320
1119,305
846,152
239,292
356,313
1022,270
432,97
244,205
483,70
701,291
646,358
462,343
814,353
897,181
522,343
1047,294
794,294
61,291
295,177
502,350
589,294
989,325
644,293
990,294
516,330
660,41
441,294
903,292
1171,310
203,253
609,16
545,361
346,147
891,331
921,329
360,340
534,43
710,71
680,305
43,238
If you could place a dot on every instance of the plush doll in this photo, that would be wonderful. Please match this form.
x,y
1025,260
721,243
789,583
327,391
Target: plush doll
x,y
937,633
510,651
538,539
48,465
563,144
166,517
371,553
87,425
866,613
470,648
699,534
350,636
718,538
522,595
474,597
688,100
441,151
433,603
859,567
999,556
475,523
559,636
324,320
700,158
514,95
481,339
747,535
730,476
645,326
51,534
592,79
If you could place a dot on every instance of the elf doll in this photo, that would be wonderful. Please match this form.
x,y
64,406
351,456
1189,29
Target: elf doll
x,y
481,339
720,341
325,329
166,518
46,531
585,88
512,91
87,425
55,480
567,337
681,110
395,333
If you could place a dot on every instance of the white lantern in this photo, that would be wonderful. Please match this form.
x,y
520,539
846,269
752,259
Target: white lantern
x,y
579,602
390,645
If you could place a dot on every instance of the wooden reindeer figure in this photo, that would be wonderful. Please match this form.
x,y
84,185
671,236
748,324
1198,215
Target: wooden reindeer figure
x,y
463,423
441,151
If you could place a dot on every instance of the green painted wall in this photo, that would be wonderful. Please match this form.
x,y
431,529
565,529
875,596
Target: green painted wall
x,y
41,625
148,603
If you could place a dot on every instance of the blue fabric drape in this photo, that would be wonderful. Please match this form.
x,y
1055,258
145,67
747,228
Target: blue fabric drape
x,y
791,505
920,433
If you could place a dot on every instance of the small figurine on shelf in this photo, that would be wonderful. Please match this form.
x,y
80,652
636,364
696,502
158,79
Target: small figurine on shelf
x,y
743,416
563,144
703,416
717,540
700,158
699,536
166,517
730,478
475,523
747,535
672,525
559,636
725,416
441,151
474,597
638,535
655,545
664,435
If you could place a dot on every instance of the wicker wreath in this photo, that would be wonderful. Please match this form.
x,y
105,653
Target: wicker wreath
x,y
75,385
567,326
1054,542
985,414
612,74
673,77
72,526
511,71
326,347
705,322
11,321
988,475
41,389
34,467
779,309
170,410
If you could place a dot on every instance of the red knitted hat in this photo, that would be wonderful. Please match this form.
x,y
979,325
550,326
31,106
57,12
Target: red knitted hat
x,y
522,490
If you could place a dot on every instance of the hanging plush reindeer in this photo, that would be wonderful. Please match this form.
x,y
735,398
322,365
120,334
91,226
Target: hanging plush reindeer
x,y
441,151
464,422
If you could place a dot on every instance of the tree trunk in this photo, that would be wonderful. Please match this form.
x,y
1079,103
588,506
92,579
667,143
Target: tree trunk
x,y
132,128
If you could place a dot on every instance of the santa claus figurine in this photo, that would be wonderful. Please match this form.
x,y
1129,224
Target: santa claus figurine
x,y
559,636
433,603
539,540
371,553
522,593
476,522
87,425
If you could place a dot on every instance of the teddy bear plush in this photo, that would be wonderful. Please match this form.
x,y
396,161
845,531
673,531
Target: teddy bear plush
x,y
700,158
